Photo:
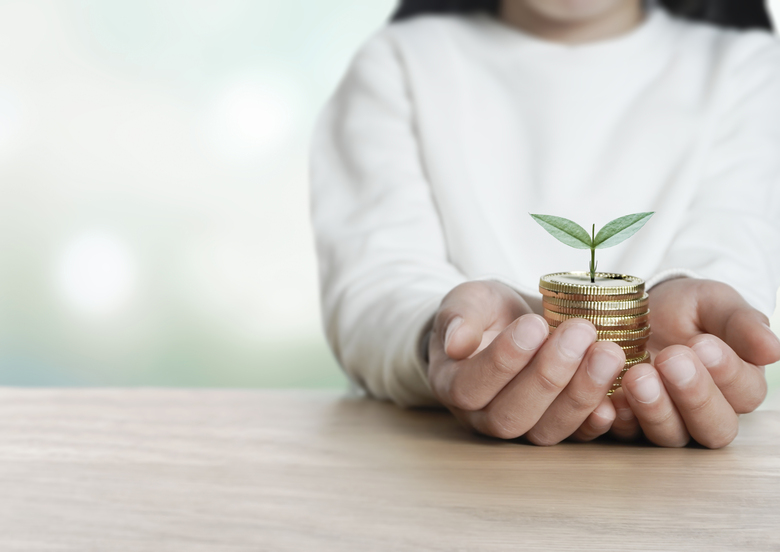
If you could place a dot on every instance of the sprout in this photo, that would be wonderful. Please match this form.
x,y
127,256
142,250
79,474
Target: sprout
x,y
576,236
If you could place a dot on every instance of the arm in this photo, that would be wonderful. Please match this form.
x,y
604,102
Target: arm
x,y
711,337
732,233
382,256
386,282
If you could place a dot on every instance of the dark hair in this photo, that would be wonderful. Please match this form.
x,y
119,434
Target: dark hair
x,y
741,14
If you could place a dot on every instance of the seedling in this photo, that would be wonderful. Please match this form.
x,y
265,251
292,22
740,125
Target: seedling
x,y
571,233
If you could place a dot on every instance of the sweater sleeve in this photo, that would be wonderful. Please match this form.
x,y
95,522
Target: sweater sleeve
x,y
383,263
732,228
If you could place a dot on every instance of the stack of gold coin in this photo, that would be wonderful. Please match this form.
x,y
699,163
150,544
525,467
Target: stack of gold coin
x,y
615,303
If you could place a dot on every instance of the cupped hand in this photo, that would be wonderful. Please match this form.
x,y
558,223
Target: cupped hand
x,y
494,366
709,350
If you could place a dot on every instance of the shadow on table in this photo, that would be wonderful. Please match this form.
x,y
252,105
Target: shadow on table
x,y
438,424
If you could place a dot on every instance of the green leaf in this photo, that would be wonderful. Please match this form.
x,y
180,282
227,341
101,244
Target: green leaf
x,y
620,229
567,231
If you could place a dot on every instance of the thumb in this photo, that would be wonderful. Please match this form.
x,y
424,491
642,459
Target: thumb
x,y
748,333
725,314
470,310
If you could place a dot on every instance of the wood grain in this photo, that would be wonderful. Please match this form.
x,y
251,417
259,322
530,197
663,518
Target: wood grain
x,y
160,470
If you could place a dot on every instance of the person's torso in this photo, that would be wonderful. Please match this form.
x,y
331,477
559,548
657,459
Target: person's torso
x,y
510,125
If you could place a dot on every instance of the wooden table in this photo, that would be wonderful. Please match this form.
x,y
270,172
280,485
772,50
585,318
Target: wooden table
x,y
159,470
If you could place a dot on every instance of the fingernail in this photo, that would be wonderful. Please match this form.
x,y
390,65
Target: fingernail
x,y
455,323
603,367
646,389
708,352
530,332
625,414
576,340
678,369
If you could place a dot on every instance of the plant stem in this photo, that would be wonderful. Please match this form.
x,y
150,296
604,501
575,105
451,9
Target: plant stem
x,y
593,254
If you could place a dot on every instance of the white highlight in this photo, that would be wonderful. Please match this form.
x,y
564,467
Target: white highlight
x,y
96,274
774,9
253,118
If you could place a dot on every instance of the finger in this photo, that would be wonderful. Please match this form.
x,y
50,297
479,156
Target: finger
x,y
626,426
520,405
470,384
742,384
748,333
471,308
653,407
724,313
708,415
586,390
597,423
487,338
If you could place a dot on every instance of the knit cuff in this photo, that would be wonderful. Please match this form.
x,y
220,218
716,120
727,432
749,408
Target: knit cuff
x,y
670,274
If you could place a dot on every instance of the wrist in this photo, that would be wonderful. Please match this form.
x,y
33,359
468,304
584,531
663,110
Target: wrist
x,y
667,275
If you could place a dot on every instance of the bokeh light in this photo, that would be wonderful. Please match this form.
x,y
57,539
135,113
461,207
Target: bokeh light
x,y
154,222
253,119
96,274
154,227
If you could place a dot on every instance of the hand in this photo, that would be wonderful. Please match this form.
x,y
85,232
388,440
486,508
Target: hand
x,y
494,366
709,349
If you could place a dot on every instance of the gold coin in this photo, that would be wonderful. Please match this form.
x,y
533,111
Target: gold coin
x,y
590,312
608,321
593,312
638,360
624,338
580,297
634,306
606,285
636,355
600,328
619,380
624,335
640,342
633,350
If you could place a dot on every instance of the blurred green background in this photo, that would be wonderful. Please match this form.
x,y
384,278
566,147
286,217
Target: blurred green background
x,y
153,173
154,223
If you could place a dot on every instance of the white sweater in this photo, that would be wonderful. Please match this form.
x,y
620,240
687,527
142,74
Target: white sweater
x,y
448,130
